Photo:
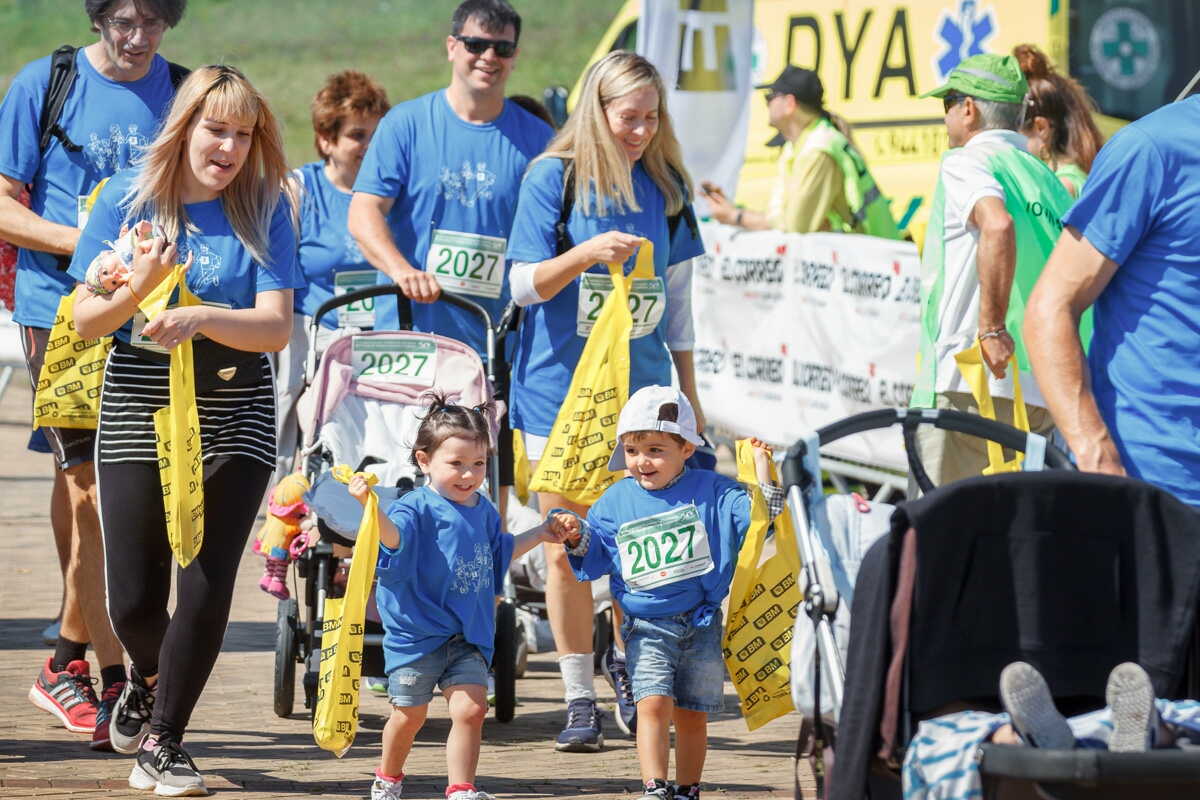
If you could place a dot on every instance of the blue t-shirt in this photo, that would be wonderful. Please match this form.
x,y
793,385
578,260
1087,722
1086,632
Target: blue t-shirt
x,y
722,505
111,121
326,246
1141,208
444,577
450,176
548,347
222,271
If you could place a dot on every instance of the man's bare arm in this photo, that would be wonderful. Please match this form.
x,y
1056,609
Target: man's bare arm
x,y
22,227
1074,277
368,225
996,263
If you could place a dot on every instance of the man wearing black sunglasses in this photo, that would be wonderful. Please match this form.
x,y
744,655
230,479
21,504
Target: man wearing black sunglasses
x,y
995,217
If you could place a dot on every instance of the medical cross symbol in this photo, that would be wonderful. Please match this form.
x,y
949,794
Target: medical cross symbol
x,y
1126,48
964,35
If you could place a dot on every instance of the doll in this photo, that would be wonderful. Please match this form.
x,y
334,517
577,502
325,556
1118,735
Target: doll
x,y
286,512
111,269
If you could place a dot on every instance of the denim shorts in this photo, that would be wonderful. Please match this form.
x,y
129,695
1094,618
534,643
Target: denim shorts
x,y
672,657
455,662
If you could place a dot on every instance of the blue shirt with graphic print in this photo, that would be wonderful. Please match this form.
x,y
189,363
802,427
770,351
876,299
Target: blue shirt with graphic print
x,y
450,177
326,246
723,507
223,271
444,577
110,120
548,345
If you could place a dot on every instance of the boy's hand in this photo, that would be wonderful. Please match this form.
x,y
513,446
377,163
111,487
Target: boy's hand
x,y
562,528
359,489
763,458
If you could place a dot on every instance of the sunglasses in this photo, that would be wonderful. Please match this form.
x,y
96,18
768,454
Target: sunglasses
x,y
952,99
477,46
772,95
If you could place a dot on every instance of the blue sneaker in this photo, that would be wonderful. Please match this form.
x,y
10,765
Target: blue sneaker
x,y
618,679
582,734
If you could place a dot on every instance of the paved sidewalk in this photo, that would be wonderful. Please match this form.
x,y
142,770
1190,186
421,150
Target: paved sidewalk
x,y
245,751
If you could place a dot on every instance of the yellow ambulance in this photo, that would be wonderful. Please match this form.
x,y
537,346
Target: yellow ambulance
x,y
876,57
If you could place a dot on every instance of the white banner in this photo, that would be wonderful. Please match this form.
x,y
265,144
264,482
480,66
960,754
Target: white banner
x,y
794,332
703,50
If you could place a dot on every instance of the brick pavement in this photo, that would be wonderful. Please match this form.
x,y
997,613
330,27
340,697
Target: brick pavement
x,y
245,751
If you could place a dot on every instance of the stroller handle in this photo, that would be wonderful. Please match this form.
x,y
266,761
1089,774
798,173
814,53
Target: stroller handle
x,y
404,306
947,419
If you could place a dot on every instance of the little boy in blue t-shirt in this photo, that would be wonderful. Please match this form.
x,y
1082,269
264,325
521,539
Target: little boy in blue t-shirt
x,y
669,536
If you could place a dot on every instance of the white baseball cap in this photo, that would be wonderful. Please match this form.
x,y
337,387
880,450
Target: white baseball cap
x,y
643,412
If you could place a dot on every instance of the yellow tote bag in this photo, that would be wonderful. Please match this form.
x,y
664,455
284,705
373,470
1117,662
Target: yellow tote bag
x,y
68,390
763,603
177,431
975,372
575,464
336,718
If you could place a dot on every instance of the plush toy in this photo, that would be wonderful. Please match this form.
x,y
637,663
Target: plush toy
x,y
286,512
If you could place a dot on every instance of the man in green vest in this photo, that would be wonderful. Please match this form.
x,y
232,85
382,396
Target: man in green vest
x,y
823,183
994,220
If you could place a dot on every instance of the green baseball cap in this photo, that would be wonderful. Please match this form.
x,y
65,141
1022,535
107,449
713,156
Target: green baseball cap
x,y
988,77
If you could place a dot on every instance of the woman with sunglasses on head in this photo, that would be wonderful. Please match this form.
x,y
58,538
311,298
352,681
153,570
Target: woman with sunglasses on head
x,y
1058,121
629,180
213,182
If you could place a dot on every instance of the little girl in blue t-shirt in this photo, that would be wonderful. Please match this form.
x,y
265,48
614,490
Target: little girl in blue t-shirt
x,y
442,558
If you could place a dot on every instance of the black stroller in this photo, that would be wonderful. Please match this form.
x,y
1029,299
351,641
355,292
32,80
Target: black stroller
x,y
1072,573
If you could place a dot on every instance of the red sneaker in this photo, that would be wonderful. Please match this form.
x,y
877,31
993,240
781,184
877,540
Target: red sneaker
x,y
67,695
102,739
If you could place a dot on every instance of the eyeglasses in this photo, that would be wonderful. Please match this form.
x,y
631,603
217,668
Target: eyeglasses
x,y
772,95
125,27
477,46
952,99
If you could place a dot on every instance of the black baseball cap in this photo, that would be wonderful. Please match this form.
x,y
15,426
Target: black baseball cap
x,y
802,84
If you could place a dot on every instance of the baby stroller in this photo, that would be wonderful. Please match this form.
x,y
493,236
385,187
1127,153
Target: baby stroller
x,y
362,408
1072,573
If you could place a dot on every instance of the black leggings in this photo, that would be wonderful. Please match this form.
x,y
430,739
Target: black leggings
x,y
183,648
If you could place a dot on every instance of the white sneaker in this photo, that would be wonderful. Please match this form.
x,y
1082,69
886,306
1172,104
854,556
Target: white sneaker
x,y
385,790
169,771
1130,698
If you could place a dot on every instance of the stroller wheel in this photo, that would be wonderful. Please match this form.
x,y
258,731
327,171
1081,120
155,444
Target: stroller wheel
x,y
286,643
504,661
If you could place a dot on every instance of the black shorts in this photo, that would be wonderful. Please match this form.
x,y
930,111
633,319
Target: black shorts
x,y
71,446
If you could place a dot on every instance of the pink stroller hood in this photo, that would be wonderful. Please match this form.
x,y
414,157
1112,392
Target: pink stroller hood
x,y
460,374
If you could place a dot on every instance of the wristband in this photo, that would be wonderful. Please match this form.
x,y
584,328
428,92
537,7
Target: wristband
x,y
129,286
991,334
738,221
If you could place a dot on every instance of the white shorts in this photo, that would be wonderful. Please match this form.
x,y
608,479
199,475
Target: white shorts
x,y
535,446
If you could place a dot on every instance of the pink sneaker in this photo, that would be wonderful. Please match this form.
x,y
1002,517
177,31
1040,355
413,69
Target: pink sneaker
x,y
67,695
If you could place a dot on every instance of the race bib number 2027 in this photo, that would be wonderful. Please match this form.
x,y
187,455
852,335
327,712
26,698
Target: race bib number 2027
x,y
664,548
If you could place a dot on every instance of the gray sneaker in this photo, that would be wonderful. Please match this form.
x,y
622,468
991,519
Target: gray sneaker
x,y
131,716
1027,700
169,771
1130,698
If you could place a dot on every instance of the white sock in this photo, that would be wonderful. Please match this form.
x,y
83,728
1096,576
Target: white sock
x,y
618,652
576,670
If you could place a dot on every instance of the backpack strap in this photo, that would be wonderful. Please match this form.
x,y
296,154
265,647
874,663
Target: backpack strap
x,y
563,241
178,73
685,214
62,77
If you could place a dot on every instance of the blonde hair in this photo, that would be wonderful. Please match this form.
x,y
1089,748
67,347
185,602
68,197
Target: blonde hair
x,y
250,200
599,161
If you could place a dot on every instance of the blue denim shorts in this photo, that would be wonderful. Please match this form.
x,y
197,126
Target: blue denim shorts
x,y
673,658
455,662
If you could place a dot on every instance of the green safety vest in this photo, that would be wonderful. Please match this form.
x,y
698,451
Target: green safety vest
x,y
868,207
1036,201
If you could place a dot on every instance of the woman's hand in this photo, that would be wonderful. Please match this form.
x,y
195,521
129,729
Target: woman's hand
x,y
612,247
174,326
153,260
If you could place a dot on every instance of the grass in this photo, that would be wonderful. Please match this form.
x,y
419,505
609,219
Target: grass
x,y
288,47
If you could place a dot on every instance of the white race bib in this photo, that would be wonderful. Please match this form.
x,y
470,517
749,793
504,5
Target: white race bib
x,y
139,339
83,210
360,313
398,358
647,302
663,549
467,263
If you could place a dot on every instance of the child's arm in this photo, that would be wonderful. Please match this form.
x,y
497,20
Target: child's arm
x,y
762,469
389,534
557,528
